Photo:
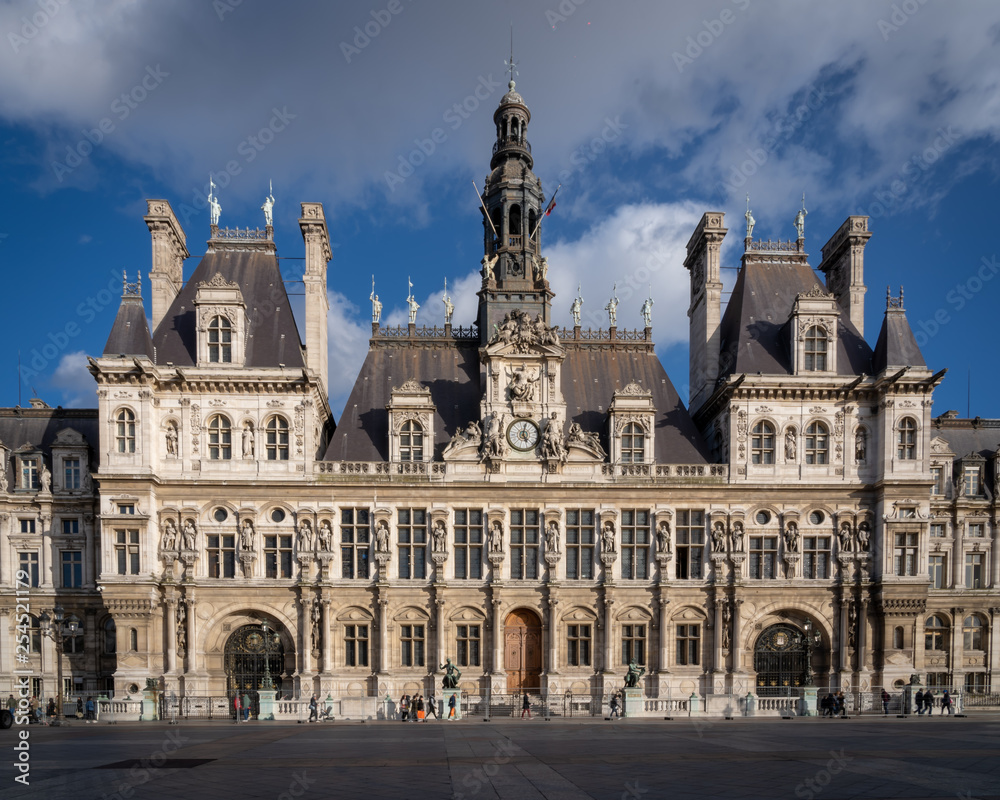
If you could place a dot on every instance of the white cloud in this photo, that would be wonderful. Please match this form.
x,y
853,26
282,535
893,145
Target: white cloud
x,y
74,381
348,343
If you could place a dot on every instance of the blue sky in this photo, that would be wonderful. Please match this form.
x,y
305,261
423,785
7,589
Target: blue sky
x,y
648,113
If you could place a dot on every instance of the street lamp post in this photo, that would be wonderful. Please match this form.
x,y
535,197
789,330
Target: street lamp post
x,y
811,639
268,683
55,632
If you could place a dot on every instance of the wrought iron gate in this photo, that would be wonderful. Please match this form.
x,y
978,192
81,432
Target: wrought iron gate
x,y
779,660
249,659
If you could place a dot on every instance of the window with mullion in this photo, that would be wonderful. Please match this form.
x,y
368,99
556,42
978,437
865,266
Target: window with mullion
x,y
581,534
29,473
355,542
127,551
524,537
763,556
690,536
688,645
762,443
905,554
412,641
468,543
633,444
71,473
72,569
411,534
815,349
817,443
356,645
633,644
28,562
278,556
578,645
221,555
816,557
469,638
220,438
277,439
635,544
975,573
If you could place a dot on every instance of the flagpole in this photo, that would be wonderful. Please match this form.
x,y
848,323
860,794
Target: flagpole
x,y
548,210
487,213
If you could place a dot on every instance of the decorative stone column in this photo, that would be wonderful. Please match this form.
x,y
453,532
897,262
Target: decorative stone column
x,y
553,663
327,637
439,622
193,641
736,649
609,603
498,667
663,663
719,656
170,629
383,636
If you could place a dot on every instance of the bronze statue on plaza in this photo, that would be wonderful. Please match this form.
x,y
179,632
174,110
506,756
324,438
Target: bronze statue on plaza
x,y
632,676
452,675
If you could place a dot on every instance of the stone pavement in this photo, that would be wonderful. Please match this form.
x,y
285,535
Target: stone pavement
x,y
829,759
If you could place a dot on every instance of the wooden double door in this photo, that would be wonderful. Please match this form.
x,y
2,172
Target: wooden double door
x,y
523,650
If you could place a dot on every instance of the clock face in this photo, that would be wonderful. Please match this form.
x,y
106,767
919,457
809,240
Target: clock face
x,y
523,434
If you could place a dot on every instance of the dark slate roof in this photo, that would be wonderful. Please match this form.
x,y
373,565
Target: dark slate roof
x,y
274,337
38,427
591,375
896,345
966,436
130,334
755,334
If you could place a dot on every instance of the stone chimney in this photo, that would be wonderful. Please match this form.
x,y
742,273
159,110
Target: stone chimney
x,y
169,251
705,310
844,266
318,254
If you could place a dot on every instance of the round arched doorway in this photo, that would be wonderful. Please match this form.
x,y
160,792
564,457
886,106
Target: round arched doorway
x,y
780,659
522,652
250,657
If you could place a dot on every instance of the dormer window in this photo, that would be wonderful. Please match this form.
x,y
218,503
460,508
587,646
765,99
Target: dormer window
x,y
633,444
971,481
71,473
411,421
220,341
29,472
815,349
411,441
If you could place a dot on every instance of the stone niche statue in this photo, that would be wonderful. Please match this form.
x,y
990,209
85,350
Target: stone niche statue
x,y
718,538
189,535
452,675
496,536
552,536
305,537
608,536
663,536
792,538
171,437
382,537
438,536
325,536
634,673
737,537
168,540
246,536
248,440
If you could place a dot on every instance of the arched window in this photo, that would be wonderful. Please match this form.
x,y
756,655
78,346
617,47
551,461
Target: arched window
x,y
133,640
110,637
514,225
277,439
220,438
897,638
633,444
125,432
817,444
973,630
220,340
762,443
935,634
815,349
411,441
906,439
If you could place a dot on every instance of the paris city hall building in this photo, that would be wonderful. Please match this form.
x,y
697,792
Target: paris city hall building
x,y
535,503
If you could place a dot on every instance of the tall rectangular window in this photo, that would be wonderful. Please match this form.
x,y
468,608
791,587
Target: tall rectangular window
x,y
29,473
633,644
690,543
72,569
581,533
71,526
468,543
28,562
469,638
278,556
688,645
972,486
937,476
524,533
127,552
355,542
635,544
763,556
938,571
975,574
356,645
816,557
27,526
222,555
976,530
937,530
412,640
905,554
411,531
71,476
578,645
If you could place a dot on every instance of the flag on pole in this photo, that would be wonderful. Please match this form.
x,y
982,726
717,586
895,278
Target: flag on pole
x,y
552,202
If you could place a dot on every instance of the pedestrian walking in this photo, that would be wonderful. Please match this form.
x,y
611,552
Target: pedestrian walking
x,y
246,707
313,709
451,708
11,704
946,703
420,708
404,707
90,708
885,703
827,704
919,701
929,702
237,708
526,706
50,710
614,706
79,708
33,710
432,707
841,704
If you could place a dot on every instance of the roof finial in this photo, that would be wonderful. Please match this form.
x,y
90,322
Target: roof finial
x,y
750,220
511,65
800,219
214,209
268,205
449,307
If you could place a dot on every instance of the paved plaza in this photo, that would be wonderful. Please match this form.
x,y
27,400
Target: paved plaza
x,y
712,758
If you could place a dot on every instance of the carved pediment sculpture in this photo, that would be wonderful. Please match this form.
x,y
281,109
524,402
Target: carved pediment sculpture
x,y
523,332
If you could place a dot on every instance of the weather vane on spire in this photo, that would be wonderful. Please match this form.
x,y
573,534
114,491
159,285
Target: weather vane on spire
x,y
511,64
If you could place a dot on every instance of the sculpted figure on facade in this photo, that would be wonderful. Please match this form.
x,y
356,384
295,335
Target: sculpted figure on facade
x,y
612,307
305,542
663,536
860,446
577,307
522,384
46,478
488,264
608,536
552,537
189,535
168,539
438,537
792,538
246,536
590,441
171,439
864,537
181,627
727,623
325,536
317,627
647,312
790,445
382,536
552,447
496,536
719,538
737,536
844,536
634,673
248,439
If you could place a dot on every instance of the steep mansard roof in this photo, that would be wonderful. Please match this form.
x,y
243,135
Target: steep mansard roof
x,y
451,372
755,336
38,428
130,333
896,346
273,338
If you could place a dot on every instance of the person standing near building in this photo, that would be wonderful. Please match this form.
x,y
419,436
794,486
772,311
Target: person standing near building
x,y
246,707
946,703
451,708
929,701
885,702
237,708
420,708
526,706
841,704
919,701
614,706
404,708
50,710
313,709
432,707
90,709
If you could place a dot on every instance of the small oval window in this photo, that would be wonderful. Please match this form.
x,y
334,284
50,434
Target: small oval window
x,y
816,518
221,515
763,517
278,515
